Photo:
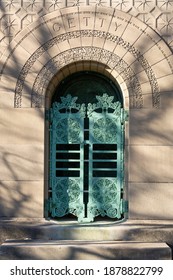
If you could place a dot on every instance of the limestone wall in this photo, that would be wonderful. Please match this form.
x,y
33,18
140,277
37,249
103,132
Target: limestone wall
x,y
56,42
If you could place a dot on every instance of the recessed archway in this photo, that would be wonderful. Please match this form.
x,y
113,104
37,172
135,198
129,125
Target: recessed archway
x,y
74,69
86,171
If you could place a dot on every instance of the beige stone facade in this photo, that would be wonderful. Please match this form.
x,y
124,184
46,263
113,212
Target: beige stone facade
x,y
42,42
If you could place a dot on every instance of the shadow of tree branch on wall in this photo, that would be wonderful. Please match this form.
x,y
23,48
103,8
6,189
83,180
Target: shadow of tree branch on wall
x,y
20,171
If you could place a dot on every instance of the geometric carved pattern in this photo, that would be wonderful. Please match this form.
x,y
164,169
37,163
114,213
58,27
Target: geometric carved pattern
x,y
122,54
81,55
85,54
17,14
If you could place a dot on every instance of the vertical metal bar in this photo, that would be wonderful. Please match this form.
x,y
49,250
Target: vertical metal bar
x,y
119,166
90,170
82,167
50,157
122,149
122,121
53,164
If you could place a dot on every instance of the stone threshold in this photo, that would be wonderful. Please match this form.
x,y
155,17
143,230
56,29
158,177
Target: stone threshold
x,y
84,250
129,230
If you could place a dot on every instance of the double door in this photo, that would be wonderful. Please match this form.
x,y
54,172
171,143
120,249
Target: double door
x,y
86,158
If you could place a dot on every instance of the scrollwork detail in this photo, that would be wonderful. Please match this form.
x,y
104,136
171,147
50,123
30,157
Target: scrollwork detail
x,y
68,130
66,197
104,130
68,103
104,198
105,102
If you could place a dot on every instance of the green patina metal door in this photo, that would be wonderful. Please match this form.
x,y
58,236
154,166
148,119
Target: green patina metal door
x,y
86,158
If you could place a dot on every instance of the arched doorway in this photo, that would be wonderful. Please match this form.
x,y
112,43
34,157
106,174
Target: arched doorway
x,y
87,148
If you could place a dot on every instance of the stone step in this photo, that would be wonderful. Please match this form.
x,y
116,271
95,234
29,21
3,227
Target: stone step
x,y
83,250
130,230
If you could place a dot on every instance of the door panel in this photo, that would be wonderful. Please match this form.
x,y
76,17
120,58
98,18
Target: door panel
x,y
106,143
66,158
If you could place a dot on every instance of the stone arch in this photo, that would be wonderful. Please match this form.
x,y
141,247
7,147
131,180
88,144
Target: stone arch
x,y
66,71
130,50
45,75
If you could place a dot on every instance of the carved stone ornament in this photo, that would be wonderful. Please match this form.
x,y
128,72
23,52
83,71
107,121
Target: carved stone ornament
x,y
83,54
17,14
81,43
86,53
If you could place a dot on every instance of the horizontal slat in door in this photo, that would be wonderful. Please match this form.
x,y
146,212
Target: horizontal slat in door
x,y
104,160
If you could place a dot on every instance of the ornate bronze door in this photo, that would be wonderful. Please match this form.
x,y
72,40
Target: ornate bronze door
x,y
86,158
